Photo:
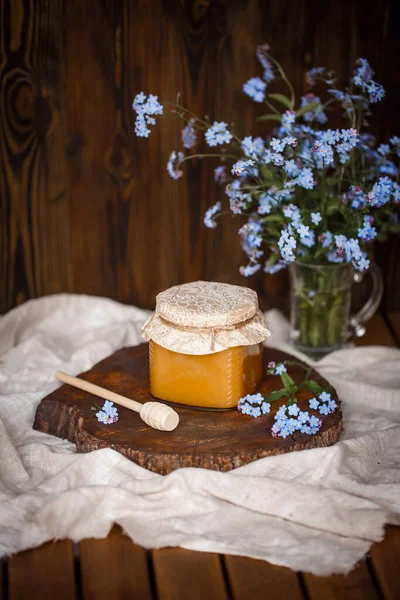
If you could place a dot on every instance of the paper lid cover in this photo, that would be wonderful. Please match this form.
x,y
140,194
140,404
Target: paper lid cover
x,y
203,317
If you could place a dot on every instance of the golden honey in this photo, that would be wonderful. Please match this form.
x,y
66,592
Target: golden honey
x,y
216,380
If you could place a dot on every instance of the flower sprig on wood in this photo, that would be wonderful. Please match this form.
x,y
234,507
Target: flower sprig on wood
x,y
289,418
106,414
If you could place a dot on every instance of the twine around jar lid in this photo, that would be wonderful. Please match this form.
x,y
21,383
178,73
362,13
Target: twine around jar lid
x,y
204,317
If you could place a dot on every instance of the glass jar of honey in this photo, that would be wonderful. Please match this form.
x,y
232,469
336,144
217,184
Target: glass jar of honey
x,y
205,344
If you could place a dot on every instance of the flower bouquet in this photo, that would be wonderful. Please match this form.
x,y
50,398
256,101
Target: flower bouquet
x,y
314,198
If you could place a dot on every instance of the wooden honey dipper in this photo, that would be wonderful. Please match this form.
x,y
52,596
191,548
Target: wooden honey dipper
x,y
157,415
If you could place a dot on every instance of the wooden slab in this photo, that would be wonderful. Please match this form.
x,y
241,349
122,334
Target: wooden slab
x,y
211,439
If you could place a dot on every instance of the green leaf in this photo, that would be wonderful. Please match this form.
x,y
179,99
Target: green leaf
x,y
272,219
289,384
276,395
332,205
266,173
307,108
272,259
314,387
282,99
270,117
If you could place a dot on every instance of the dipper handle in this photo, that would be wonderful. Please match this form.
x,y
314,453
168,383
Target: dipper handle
x,y
155,414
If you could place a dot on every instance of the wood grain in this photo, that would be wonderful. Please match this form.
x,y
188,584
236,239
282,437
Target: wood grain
x,y
357,585
88,207
44,572
384,556
181,574
34,205
221,442
385,563
114,568
258,579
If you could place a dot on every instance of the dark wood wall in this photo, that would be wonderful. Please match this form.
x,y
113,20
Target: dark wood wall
x,y
87,207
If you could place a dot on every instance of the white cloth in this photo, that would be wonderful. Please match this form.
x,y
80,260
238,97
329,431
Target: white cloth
x,y
317,510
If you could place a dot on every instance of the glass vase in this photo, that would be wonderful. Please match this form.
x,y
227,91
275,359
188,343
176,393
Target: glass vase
x,y
320,306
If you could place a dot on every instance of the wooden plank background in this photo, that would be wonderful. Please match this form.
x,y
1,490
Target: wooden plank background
x,y
87,207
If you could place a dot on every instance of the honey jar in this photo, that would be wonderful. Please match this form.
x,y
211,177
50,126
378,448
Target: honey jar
x,y
205,344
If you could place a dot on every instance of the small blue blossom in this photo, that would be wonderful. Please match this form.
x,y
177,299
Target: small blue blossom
x,y
249,270
275,430
316,217
334,257
309,239
108,414
262,55
280,413
292,425
383,149
287,244
323,154
326,239
254,405
241,166
376,92
303,231
209,220
173,164
293,410
324,409
145,108
340,241
305,179
253,148
284,432
220,174
255,88
317,113
277,159
311,294
288,119
306,429
102,417
189,135
277,145
319,73
314,421
265,204
313,403
107,405
291,168
363,264
302,417
218,134
280,369
367,233
324,396
332,406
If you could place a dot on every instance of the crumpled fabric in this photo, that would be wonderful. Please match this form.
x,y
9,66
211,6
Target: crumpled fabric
x,y
317,510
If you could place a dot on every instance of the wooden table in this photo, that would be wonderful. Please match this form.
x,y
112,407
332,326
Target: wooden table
x,y
115,568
